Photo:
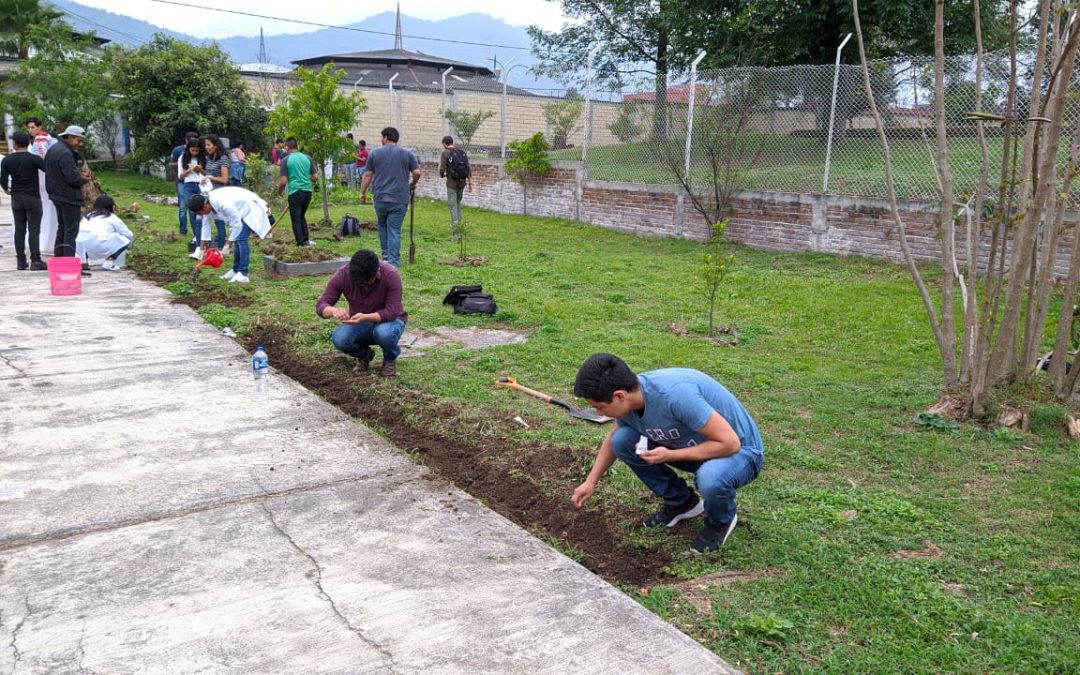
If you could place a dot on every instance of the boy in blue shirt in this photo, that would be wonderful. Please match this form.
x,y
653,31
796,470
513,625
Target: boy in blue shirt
x,y
692,423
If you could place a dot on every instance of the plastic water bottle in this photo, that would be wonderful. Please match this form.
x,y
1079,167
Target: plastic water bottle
x,y
260,369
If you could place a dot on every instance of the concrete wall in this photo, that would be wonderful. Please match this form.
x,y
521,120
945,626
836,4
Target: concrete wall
x,y
774,221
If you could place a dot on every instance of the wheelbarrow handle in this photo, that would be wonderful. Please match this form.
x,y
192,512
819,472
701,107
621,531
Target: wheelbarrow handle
x,y
511,383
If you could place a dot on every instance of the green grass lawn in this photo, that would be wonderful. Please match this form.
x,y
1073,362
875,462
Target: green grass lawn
x,y
795,164
870,544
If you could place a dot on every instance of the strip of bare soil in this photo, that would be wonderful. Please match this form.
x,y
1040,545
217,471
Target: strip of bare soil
x,y
529,485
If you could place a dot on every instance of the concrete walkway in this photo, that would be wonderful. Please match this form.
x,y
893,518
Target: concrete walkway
x,y
154,518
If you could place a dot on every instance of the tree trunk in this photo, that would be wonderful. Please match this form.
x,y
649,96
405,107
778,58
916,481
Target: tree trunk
x,y
948,223
325,185
525,194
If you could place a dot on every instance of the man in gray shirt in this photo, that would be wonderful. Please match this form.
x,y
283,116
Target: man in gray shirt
x,y
392,172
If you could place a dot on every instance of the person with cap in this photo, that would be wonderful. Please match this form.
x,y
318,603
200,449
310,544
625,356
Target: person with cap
x,y
245,212
63,182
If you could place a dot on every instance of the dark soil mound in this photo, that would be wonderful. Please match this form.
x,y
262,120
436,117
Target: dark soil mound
x,y
530,485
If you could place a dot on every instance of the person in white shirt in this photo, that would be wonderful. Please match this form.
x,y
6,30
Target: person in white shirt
x,y
103,235
245,212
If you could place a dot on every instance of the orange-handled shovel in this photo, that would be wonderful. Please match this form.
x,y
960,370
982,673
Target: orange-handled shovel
x,y
580,413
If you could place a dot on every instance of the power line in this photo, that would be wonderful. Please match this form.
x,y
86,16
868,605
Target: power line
x,y
134,38
329,25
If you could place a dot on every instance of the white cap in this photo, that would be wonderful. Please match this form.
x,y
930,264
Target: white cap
x,y
74,130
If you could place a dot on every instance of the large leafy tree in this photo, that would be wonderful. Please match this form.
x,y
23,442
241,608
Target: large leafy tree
x,y
169,87
66,80
782,32
319,114
634,40
18,21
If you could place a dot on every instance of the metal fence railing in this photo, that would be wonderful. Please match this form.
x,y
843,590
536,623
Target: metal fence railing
x,y
771,127
804,129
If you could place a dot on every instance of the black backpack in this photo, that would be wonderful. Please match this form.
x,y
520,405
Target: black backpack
x,y
457,164
350,225
470,300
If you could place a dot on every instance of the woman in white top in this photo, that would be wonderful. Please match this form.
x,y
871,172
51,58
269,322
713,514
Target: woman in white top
x,y
102,234
190,171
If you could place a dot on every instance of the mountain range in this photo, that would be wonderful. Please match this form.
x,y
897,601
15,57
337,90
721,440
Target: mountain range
x,y
472,38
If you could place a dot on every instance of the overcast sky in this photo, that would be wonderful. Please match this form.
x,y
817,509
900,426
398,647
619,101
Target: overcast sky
x,y
207,23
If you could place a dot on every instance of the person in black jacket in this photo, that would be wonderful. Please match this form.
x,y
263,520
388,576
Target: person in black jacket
x,y
19,178
63,182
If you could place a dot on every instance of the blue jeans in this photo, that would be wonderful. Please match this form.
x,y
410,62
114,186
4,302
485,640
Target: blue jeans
x,y
185,191
716,479
355,338
390,217
241,251
236,173
220,226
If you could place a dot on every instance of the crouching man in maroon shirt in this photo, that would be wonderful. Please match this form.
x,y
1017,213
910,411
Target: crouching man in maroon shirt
x,y
375,315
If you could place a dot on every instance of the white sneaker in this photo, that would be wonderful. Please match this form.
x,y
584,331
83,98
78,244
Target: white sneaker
x,y
197,254
239,279
108,265
228,276
226,250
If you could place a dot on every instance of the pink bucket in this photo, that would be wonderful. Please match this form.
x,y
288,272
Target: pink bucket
x,y
65,276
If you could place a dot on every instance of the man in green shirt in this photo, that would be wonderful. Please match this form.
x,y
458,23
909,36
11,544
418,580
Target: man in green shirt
x,y
297,174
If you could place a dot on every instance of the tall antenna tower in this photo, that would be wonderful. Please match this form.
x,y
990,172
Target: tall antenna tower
x,y
262,47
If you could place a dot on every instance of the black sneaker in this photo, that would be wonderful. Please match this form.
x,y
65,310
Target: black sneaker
x,y
22,265
713,536
38,266
669,516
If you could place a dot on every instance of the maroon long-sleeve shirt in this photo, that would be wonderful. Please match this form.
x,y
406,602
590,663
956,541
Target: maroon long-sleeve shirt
x,y
383,297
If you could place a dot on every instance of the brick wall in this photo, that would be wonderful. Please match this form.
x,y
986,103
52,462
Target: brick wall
x,y
774,221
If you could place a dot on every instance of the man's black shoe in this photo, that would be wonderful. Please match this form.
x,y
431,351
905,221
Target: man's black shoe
x,y
669,516
38,266
713,536
363,363
21,265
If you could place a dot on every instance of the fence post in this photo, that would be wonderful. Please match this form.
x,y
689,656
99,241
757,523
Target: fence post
x,y
390,103
588,106
445,122
832,114
690,115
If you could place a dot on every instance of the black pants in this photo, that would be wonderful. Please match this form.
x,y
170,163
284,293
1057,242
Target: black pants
x,y
26,211
298,206
67,228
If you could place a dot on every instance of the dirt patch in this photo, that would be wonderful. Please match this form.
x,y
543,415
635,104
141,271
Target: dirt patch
x,y
526,483
929,550
213,294
291,253
696,591
469,261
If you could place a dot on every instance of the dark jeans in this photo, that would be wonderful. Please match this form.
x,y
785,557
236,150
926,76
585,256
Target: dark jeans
x,y
184,192
717,479
26,211
298,206
242,251
67,228
390,217
355,338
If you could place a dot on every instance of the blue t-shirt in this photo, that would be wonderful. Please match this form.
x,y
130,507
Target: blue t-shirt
x,y
679,401
392,165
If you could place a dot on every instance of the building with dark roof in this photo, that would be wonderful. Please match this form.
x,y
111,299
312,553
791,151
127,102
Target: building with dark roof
x,y
414,71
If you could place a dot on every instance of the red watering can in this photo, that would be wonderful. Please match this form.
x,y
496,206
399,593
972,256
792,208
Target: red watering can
x,y
212,257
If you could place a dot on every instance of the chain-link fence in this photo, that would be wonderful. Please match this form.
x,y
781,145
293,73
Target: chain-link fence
x,y
805,129
810,128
